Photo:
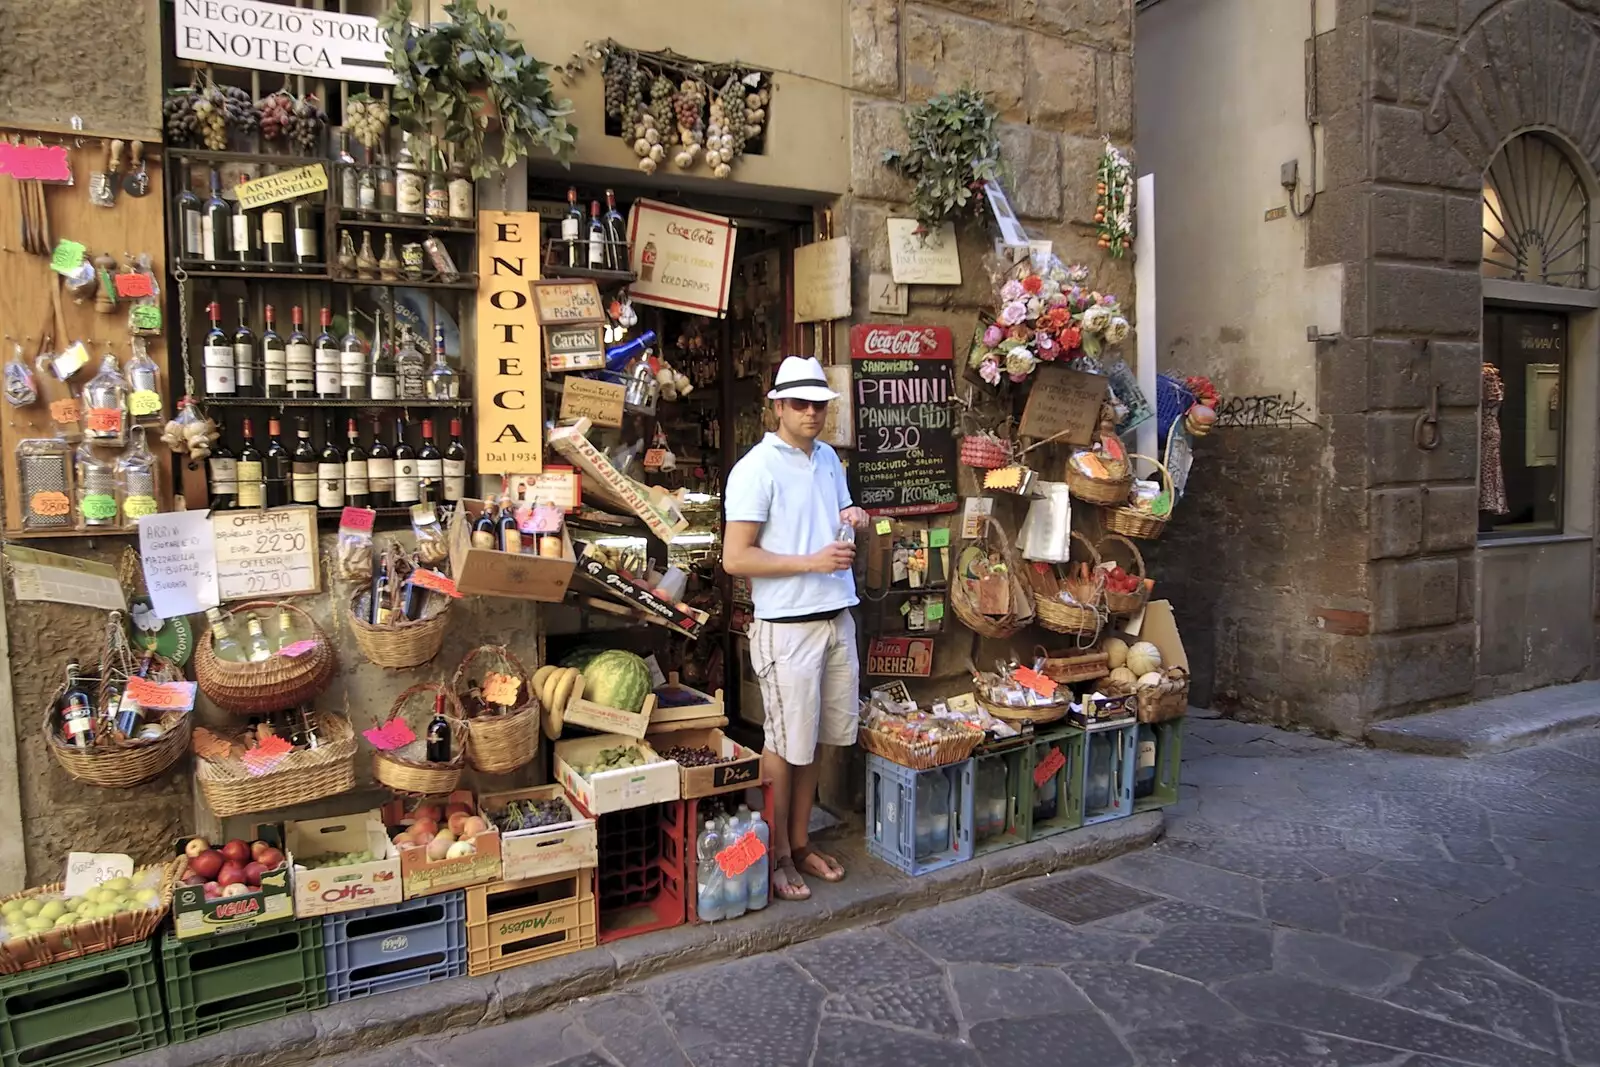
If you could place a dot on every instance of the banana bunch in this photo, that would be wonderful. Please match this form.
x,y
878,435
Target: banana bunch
x,y
557,687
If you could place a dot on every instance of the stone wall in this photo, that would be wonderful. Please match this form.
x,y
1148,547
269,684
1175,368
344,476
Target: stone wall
x,y
101,62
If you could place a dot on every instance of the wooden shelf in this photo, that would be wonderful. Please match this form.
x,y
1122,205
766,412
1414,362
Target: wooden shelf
x,y
46,535
206,155
354,222
466,284
314,272
557,271
319,402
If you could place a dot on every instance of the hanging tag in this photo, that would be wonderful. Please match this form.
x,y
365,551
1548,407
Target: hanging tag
x,y
67,257
145,317
144,402
71,360
131,286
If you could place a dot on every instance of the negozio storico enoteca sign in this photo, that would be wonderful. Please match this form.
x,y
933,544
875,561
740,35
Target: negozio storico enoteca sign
x,y
290,40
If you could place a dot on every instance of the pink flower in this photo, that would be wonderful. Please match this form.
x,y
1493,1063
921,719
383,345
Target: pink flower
x,y
1012,313
993,336
1011,291
989,371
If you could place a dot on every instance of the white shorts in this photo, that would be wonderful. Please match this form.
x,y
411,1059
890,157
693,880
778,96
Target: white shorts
x,y
810,684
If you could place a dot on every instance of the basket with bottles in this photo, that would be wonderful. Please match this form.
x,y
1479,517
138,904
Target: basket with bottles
x,y
421,747
261,657
243,771
502,710
399,620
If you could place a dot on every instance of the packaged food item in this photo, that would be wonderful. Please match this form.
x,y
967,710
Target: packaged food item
x,y
354,553
432,546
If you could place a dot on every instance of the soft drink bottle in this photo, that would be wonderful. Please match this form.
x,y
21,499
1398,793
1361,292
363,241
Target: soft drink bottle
x,y
758,879
709,876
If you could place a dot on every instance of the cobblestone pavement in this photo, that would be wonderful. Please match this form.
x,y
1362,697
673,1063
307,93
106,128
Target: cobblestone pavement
x,y
1312,905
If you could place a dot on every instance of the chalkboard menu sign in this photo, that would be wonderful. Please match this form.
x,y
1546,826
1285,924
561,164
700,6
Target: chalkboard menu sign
x,y
905,462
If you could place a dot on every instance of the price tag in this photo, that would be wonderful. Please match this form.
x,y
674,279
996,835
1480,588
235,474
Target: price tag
x,y
654,458
266,756
1049,766
939,537
133,285
885,526
49,503
65,412
99,506
432,579
298,649
501,689
741,855
162,696
145,317
72,359
209,745
86,870
357,519
1027,676
144,402
67,257
905,607
105,420
935,610
390,736
36,162
137,507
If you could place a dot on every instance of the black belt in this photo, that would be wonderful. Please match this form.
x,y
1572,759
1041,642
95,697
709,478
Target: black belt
x,y
817,616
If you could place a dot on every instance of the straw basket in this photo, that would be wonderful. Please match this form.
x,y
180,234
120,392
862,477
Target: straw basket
x,y
1127,603
499,744
1065,667
1113,488
964,596
1055,614
116,763
405,770
1132,522
1038,716
1169,700
273,684
302,777
922,755
25,952
984,451
408,643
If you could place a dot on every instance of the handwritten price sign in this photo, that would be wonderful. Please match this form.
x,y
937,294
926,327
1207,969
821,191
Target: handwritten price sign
x,y
1045,687
266,756
1048,767
390,736
741,855
163,696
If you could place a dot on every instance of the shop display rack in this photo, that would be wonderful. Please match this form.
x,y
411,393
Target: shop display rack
x,y
396,946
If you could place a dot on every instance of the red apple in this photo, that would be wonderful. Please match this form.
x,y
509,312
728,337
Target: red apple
x,y
195,846
207,864
253,872
193,879
424,826
230,874
236,851
270,858
257,848
457,820
213,890
237,889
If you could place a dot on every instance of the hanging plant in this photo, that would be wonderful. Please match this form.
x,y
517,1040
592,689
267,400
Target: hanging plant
x,y
955,148
1113,213
461,79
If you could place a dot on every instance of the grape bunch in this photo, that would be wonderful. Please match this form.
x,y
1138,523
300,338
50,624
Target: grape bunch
x,y
688,107
211,114
240,110
733,110
632,93
696,756
275,111
616,74
367,119
177,113
661,91
305,124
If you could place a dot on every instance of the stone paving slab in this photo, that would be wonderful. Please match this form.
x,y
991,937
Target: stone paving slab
x,y
1493,725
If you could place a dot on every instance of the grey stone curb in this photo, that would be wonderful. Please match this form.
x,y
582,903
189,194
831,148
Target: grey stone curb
x,y
1493,725
872,892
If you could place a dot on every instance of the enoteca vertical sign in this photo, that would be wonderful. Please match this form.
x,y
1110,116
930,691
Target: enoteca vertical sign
x,y
278,37
510,398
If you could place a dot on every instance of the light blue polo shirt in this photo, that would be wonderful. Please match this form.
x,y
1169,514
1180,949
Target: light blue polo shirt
x,y
797,499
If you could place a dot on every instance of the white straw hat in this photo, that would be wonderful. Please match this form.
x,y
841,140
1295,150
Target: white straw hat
x,y
801,378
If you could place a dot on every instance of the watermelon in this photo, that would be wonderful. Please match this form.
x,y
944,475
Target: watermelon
x,y
580,657
617,679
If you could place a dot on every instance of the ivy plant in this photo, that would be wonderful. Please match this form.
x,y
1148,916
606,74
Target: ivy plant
x,y
954,148
458,79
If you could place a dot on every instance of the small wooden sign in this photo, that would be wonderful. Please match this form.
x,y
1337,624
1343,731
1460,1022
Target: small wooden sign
x,y
885,296
560,486
285,185
569,348
822,281
567,303
1063,399
923,259
900,657
599,402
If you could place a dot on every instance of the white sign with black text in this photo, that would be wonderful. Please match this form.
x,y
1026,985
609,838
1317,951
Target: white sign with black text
x,y
276,37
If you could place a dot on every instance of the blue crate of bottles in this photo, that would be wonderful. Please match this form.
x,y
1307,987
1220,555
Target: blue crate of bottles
x,y
1000,811
919,821
1108,772
395,946
1157,758
1055,782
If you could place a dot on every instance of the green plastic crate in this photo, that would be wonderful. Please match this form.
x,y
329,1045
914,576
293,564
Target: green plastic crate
x,y
1065,785
1168,740
1001,783
265,972
95,1009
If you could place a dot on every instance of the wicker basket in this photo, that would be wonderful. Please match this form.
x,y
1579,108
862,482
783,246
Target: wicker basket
x,y
405,770
1065,667
964,597
302,777
984,451
1127,603
1169,700
1052,613
922,755
30,951
409,643
1132,522
118,763
499,744
1037,716
273,684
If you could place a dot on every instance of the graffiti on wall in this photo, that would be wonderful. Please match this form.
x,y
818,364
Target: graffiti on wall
x,y
1257,412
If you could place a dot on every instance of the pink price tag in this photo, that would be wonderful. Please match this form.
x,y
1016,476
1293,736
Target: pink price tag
x,y
1052,763
390,736
431,579
299,648
266,755
35,162
359,519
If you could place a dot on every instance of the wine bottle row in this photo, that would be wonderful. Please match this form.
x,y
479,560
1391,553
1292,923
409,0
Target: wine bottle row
x,y
602,244
283,236
377,474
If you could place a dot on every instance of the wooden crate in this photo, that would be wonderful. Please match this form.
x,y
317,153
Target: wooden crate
x,y
512,923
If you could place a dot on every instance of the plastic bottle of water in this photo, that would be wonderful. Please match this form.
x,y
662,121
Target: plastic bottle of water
x,y
924,827
1098,795
733,890
1045,800
983,802
939,809
709,878
758,879
1001,798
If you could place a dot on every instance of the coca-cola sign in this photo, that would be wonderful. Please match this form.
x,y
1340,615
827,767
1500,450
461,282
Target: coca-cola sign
x,y
902,342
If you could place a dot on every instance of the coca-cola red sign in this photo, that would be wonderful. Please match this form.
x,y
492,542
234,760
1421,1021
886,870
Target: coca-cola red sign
x,y
905,444
904,342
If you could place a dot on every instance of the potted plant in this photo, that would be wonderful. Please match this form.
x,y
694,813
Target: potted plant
x,y
459,80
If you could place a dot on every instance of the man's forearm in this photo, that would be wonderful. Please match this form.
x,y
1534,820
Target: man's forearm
x,y
756,562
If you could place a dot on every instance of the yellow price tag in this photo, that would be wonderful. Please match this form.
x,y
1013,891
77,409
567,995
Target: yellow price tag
x,y
884,526
135,507
144,402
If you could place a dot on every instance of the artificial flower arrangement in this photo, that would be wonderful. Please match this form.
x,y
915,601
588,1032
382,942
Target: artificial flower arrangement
x,y
1049,315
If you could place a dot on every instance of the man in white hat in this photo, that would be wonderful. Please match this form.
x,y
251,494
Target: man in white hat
x,y
787,506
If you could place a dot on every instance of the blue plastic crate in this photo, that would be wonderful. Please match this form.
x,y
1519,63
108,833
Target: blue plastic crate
x,y
395,946
918,837
1157,760
1108,772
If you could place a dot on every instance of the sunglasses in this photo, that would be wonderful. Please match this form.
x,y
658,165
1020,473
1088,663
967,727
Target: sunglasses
x,y
808,405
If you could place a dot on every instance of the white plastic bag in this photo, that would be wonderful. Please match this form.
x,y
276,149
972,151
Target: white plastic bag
x,y
1047,531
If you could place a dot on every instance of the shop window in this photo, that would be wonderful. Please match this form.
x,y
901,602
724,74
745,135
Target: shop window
x,y
1535,216
1523,432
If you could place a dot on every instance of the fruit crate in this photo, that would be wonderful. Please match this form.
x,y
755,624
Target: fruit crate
x,y
1054,784
1001,813
249,976
1108,772
762,801
395,946
906,828
512,923
641,882
94,1009
1160,749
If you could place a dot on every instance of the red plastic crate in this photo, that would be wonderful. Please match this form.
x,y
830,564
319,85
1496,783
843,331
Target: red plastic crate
x,y
691,861
639,884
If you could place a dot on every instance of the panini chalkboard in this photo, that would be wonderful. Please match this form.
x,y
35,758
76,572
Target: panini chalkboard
x,y
905,461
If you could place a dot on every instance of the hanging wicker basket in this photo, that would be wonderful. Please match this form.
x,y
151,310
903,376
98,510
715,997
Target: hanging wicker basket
x,y
1112,487
408,643
1134,522
1081,620
964,593
407,770
985,451
118,763
1127,603
499,744
304,775
274,683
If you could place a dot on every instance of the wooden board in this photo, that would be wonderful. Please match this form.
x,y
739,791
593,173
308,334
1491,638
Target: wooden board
x,y
134,225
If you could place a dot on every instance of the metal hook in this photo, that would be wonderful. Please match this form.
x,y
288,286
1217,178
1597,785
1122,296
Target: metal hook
x,y
1426,430
77,125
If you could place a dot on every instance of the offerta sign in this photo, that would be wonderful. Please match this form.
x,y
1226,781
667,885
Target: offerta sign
x,y
510,394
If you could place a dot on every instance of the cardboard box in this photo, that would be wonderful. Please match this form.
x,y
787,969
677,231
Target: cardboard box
x,y
686,703
587,713
685,620
195,916
490,572
1104,711
420,876
626,787
348,886
543,850
1161,629
743,768
613,487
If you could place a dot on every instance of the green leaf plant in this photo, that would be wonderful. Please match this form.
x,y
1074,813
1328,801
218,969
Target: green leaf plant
x,y
954,148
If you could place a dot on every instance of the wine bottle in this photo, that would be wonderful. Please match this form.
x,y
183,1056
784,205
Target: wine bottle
x,y
244,355
77,710
250,470
274,237
407,489
409,188
616,234
217,356
484,531
461,191
367,188
410,368
619,356
597,237
192,212
330,469
455,465
381,612
436,198
303,468
244,235
355,469
224,467
276,468
509,533
571,225
349,181
443,382
381,382
438,743
329,376
430,465
274,358
380,470
216,226
306,246
300,364
352,362
386,188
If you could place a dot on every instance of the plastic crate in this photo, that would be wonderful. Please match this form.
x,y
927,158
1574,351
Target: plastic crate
x,y
1108,772
639,884
89,1010
512,923
1161,744
762,795
395,946
1055,800
227,980
916,837
1000,811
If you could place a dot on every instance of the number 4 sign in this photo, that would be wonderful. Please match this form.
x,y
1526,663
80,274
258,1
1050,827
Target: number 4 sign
x,y
886,297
